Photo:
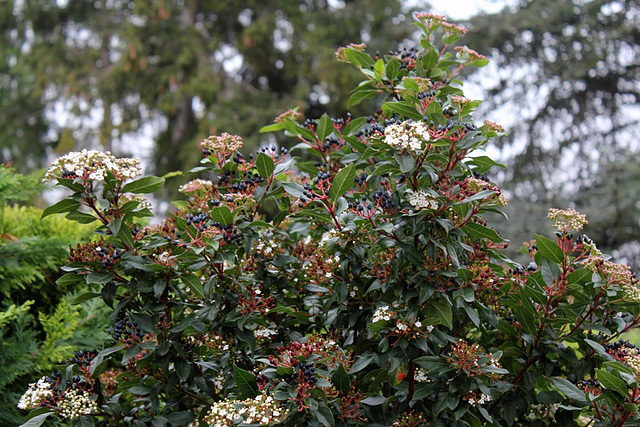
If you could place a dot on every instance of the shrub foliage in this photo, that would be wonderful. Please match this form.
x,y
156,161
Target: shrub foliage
x,y
376,295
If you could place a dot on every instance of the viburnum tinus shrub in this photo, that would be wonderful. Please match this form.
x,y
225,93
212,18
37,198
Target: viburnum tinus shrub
x,y
377,295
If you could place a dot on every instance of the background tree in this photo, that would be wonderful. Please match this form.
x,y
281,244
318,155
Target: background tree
x,y
94,73
573,138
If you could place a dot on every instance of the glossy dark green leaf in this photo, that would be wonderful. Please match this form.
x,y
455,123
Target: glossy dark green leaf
x,y
611,382
443,312
264,165
223,215
245,382
145,185
64,205
342,182
324,128
405,109
569,389
549,249
341,381
81,217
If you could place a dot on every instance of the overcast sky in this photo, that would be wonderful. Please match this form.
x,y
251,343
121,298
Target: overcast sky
x,y
462,9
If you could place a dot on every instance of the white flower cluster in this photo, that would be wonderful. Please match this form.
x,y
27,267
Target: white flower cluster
x,y
408,135
264,333
423,200
266,245
484,398
218,382
422,375
92,165
382,313
263,410
36,393
328,236
75,404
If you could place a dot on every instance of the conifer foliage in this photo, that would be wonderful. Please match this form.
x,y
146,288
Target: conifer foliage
x,y
377,295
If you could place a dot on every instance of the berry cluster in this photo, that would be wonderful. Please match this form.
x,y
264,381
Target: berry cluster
x,y
126,331
304,373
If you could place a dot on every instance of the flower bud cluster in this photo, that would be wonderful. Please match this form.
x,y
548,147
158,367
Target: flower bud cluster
x,y
196,185
407,135
223,145
76,403
464,357
254,301
615,274
470,54
143,202
565,220
411,419
341,54
262,410
92,165
290,114
472,185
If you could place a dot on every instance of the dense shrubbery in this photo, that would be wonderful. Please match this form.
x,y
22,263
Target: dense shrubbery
x,y
39,327
376,295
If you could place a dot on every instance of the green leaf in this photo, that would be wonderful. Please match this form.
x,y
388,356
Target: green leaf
x,y
359,96
325,416
569,390
354,125
580,277
223,215
357,58
549,249
325,127
81,217
406,162
245,383
264,165
341,381
99,277
392,69
444,312
378,69
272,128
484,163
64,205
145,185
294,189
612,382
85,297
434,364
479,232
430,59
405,109
362,362
68,279
194,283
342,182
37,420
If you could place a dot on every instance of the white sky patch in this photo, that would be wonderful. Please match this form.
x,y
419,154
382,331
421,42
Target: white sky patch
x,y
464,9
